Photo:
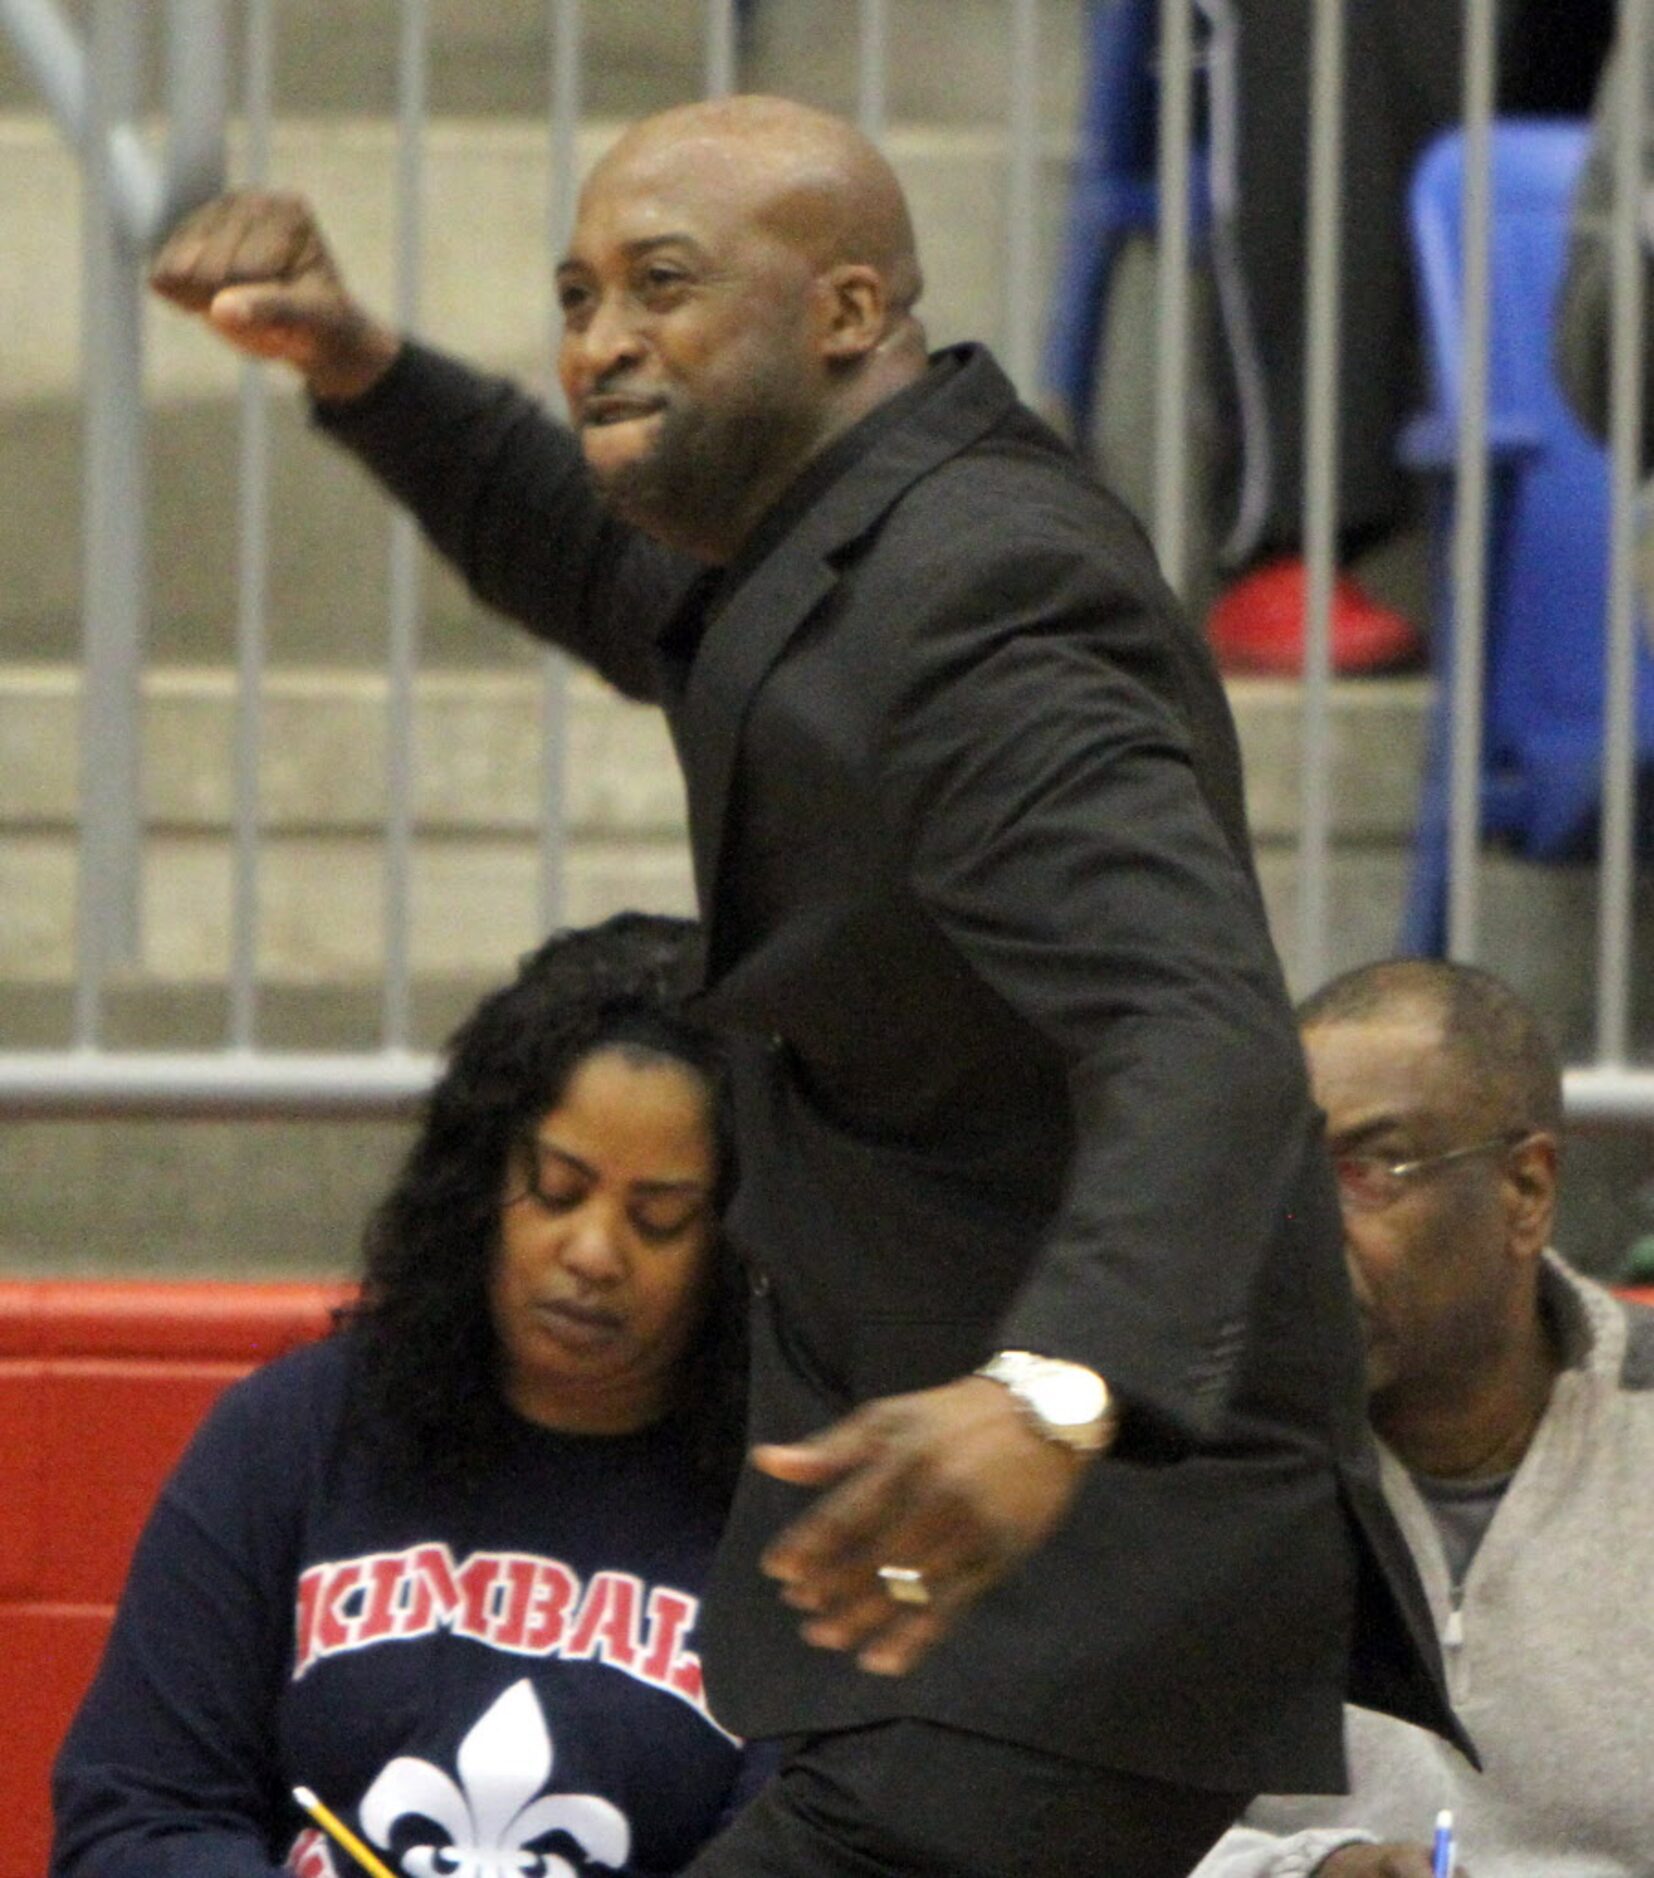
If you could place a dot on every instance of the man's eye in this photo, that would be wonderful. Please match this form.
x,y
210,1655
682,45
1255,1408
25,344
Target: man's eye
x,y
573,300
1364,1181
663,280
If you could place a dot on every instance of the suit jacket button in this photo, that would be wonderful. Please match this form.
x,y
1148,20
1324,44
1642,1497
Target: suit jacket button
x,y
758,1281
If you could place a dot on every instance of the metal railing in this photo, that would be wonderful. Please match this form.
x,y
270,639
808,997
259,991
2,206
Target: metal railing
x,y
132,196
131,201
1612,1087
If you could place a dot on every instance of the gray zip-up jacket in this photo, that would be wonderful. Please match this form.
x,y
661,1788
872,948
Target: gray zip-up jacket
x,y
1549,1652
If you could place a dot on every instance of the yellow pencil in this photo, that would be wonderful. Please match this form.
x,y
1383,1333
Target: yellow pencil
x,y
336,1829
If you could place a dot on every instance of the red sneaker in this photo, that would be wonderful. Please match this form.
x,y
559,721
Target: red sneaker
x,y
1257,625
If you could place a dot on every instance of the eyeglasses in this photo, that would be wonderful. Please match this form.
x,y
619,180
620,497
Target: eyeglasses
x,y
1367,1183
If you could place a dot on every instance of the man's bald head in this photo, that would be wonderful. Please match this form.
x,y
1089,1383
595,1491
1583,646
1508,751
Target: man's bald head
x,y
738,292
1503,1062
811,179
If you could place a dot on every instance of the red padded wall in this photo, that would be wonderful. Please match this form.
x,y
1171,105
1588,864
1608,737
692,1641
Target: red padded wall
x,y
101,1386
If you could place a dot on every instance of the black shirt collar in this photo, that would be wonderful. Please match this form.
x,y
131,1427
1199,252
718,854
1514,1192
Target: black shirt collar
x,y
825,468
712,591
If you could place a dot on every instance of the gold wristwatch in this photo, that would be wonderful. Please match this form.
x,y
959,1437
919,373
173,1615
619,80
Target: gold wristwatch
x,y
1065,1402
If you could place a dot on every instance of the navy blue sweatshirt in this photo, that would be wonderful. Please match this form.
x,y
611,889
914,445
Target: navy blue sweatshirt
x,y
509,1669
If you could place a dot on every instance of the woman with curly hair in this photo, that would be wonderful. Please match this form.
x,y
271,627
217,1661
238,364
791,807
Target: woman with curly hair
x,y
443,1568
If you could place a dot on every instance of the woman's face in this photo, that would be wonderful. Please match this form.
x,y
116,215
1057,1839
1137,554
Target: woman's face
x,y
606,1234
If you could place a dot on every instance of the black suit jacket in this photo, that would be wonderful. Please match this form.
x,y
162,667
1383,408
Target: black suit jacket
x,y
1015,1065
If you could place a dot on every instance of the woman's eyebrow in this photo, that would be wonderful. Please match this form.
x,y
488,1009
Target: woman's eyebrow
x,y
687,1184
543,1146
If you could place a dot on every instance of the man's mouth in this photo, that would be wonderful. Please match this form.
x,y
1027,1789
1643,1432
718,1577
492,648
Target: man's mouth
x,y
602,412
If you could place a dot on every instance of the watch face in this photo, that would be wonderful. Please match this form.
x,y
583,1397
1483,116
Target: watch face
x,y
1068,1396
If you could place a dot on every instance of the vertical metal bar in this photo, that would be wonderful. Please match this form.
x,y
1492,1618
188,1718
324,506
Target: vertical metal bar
x,y
114,550
721,61
567,25
567,83
198,84
1171,403
57,61
873,68
1627,366
1326,170
252,574
1470,531
567,78
1023,274
403,652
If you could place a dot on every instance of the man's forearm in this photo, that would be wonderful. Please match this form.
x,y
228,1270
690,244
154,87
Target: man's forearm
x,y
500,490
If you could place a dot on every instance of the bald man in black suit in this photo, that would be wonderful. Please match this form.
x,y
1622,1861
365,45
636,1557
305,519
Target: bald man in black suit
x,y
1062,1535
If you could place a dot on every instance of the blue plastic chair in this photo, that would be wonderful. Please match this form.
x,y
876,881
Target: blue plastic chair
x,y
1114,194
1548,520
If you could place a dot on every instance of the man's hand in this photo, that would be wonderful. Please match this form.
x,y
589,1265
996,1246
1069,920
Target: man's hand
x,y
256,269
1380,1861
950,1482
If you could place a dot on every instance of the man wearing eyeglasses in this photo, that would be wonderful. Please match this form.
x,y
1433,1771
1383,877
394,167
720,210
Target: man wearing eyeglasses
x,y
1514,1403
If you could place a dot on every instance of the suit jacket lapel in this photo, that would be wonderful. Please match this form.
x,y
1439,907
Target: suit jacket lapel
x,y
779,595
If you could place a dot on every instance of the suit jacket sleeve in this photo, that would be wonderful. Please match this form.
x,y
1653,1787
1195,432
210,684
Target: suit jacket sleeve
x,y
1039,778
501,491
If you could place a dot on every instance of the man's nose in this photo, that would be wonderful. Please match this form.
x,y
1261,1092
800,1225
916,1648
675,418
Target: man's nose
x,y
610,339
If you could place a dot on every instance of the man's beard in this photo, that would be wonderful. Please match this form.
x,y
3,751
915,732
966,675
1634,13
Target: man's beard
x,y
699,479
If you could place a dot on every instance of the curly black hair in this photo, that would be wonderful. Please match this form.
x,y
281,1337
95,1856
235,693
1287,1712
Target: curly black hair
x,y
428,1378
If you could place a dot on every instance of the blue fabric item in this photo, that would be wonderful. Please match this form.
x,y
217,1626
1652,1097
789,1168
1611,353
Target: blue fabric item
x,y
1547,604
1114,194
507,1672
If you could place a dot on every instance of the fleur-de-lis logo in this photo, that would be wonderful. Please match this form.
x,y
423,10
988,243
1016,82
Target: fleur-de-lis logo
x,y
498,1810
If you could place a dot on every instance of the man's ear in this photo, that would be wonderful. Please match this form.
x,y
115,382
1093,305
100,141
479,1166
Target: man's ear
x,y
1531,1184
852,303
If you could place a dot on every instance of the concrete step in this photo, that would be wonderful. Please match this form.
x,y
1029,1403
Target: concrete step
x,y
948,58
477,756
476,866
190,1199
477,738
477,764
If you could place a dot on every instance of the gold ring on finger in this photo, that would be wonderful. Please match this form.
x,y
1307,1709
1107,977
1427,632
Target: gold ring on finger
x,y
904,1584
